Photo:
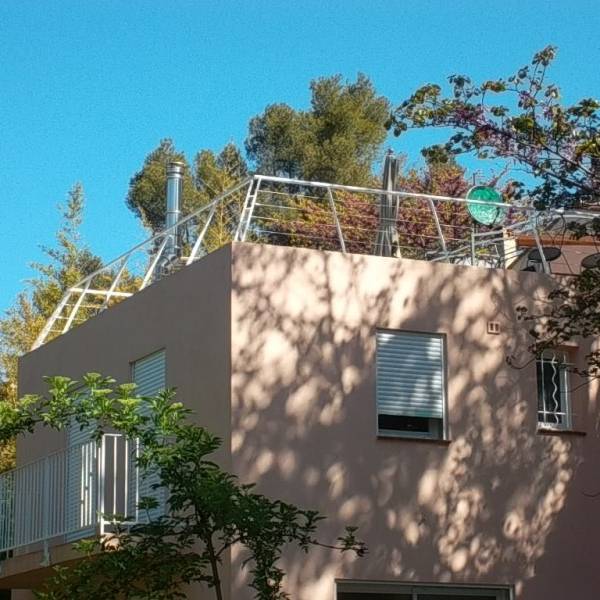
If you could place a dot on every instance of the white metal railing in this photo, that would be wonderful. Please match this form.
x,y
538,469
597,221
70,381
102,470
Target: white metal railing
x,y
312,214
67,495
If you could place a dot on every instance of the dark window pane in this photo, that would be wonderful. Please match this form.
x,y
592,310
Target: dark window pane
x,y
372,596
401,423
411,425
446,597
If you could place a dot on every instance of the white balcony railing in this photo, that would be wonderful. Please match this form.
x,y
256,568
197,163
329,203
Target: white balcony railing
x,y
66,495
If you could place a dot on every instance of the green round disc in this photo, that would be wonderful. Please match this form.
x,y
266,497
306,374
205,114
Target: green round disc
x,y
486,215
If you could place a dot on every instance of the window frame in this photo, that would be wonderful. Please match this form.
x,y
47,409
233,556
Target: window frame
x,y
565,393
415,435
501,592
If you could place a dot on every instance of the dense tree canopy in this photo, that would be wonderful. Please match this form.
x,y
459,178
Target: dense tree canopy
x,y
336,140
147,195
69,261
210,174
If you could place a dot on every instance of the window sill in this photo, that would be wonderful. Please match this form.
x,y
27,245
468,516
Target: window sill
x,y
550,431
410,438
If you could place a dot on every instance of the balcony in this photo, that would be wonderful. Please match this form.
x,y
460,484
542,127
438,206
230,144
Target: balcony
x,y
67,495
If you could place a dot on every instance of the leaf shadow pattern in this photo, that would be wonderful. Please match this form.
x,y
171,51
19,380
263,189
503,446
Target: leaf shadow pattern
x,y
499,504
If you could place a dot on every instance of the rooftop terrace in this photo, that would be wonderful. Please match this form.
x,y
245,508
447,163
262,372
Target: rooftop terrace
x,y
348,219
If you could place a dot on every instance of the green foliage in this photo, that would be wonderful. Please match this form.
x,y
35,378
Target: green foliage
x,y
215,174
69,261
310,224
209,175
522,121
128,565
336,140
559,146
571,310
147,196
418,232
209,509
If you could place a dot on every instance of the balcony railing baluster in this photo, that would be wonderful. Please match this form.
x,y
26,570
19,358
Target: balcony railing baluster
x,y
35,502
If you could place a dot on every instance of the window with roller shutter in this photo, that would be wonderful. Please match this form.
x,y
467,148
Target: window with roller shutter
x,y
407,591
410,384
149,374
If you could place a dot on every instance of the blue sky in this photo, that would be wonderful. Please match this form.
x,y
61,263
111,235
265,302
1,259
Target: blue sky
x,y
87,89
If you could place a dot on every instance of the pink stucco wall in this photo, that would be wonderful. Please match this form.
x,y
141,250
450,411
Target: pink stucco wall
x,y
499,504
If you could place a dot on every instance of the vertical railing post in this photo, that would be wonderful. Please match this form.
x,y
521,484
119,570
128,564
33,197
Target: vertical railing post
x,y
114,474
137,480
438,227
46,504
245,207
45,510
154,263
4,509
100,461
4,525
115,281
126,478
41,338
76,306
338,227
538,243
251,209
200,238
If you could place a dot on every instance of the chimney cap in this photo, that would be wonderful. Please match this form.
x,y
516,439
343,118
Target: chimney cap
x,y
175,168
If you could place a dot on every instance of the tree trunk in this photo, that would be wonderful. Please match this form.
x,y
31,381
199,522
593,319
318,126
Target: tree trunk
x,y
214,565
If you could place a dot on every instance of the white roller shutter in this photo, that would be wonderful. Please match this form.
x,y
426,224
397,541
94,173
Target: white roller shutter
x,y
410,374
149,374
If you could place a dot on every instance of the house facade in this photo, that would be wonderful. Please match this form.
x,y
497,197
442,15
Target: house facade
x,y
373,389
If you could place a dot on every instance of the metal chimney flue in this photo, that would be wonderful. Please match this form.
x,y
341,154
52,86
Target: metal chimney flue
x,y
174,195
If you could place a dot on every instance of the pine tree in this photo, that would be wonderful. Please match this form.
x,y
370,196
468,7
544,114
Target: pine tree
x,y
68,262
147,196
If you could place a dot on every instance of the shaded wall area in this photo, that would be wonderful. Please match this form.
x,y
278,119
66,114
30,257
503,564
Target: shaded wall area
x,y
187,314
499,504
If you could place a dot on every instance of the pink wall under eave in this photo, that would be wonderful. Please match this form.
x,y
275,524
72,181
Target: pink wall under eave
x,y
500,504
